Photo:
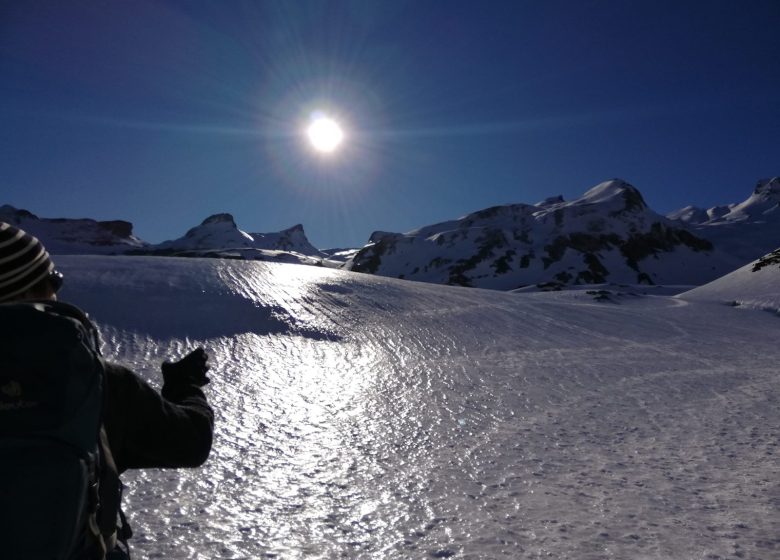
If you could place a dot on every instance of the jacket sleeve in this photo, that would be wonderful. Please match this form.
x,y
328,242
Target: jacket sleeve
x,y
147,429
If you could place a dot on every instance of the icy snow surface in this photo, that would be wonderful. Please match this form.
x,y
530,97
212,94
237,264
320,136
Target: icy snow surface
x,y
366,417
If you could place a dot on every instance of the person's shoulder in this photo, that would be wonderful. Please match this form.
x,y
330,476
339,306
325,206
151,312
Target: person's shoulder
x,y
118,370
122,377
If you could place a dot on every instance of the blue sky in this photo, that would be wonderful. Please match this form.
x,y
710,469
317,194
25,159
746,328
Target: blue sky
x,y
163,113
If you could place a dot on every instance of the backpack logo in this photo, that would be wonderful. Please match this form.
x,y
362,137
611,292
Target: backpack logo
x,y
12,389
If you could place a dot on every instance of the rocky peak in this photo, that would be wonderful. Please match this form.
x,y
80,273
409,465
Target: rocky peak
x,y
220,219
690,215
550,201
768,187
216,224
616,189
15,215
717,212
378,236
74,236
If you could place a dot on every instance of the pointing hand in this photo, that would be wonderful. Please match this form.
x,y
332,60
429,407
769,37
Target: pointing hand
x,y
190,370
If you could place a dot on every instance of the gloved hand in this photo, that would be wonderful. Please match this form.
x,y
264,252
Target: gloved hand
x,y
190,370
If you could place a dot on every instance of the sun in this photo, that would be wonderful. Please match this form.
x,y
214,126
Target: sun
x,y
325,134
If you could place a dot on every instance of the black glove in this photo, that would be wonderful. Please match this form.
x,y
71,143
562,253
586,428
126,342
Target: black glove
x,y
190,370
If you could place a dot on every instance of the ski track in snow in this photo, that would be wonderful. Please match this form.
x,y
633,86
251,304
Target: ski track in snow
x,y
363,417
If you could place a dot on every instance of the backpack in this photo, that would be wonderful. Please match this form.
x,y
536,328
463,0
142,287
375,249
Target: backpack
x,y
52,380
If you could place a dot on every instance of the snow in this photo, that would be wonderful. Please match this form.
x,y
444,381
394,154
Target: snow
x,y
608,191
367,417
753,286
690,214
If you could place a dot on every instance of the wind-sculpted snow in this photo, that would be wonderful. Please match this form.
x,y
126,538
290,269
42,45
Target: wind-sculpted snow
x,y
365,417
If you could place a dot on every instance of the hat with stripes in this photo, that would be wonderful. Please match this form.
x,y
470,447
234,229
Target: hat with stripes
x,y
23,262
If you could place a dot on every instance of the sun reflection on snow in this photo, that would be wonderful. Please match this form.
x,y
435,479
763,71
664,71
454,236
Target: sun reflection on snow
x,y
306,441
302,454
292,434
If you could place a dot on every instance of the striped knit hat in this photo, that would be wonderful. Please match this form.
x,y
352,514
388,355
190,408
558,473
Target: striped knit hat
x,y
23,262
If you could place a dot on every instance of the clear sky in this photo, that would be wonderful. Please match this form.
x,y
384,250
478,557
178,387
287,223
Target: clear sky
x,y
164,112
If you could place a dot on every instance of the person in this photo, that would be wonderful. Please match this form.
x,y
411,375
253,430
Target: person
x,y
143,428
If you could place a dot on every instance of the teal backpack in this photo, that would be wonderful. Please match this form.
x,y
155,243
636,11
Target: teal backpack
x,y
51,402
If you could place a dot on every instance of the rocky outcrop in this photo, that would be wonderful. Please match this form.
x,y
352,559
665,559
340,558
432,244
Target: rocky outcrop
x,y
75,236
291,239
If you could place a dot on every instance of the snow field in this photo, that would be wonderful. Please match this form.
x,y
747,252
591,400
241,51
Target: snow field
x,y
365,417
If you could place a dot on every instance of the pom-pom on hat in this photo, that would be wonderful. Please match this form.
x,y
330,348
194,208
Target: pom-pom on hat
x,y
23,261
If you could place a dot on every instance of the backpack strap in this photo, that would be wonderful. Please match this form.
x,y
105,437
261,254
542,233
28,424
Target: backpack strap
x,y
106,532
108,523
124,533
111,520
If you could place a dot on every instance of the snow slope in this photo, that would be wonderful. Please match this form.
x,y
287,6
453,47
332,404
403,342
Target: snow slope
x,y
366,417
754,286
607,235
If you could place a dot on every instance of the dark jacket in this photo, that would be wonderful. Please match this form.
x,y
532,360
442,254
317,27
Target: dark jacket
x,y
147,429
144,429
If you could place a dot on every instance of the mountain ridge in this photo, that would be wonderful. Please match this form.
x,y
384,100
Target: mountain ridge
x,y
608,234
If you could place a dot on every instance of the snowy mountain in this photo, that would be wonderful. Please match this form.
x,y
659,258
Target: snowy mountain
x,y
761,206
215,232
745,230
608,234
218,236
292,239
75,236
366,417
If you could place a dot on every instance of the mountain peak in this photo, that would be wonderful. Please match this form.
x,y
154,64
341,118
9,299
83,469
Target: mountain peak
x,y
378,236
690,215
768,186
608,234
216,231
15,214
551,200
616,189
74,235
220,219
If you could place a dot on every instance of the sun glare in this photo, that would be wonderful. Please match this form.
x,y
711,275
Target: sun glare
x,y
325,134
